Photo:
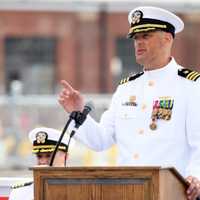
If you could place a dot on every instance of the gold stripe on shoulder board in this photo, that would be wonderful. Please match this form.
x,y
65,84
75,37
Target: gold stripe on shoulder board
x,y
191,75
124,80
131,78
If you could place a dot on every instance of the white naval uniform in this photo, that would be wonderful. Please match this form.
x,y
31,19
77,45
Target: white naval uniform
x,y
174,143
23,192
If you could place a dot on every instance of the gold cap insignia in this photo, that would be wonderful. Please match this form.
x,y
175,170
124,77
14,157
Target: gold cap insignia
x,y
41,137
136,17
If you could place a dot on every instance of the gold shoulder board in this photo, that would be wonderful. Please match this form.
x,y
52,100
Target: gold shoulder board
x,y
130,78
189,74
21,185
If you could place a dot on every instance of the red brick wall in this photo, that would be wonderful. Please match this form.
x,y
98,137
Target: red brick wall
x,y
86,43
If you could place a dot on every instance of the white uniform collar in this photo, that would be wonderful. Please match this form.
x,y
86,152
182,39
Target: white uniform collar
x,y
171,67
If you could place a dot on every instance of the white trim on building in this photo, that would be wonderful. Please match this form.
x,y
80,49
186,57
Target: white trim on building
x,y
96,5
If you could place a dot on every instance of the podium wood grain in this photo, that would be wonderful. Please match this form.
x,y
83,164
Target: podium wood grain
x,y
108,183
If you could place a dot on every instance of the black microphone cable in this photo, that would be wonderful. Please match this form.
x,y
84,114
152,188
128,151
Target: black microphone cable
x,y
79,118
59,141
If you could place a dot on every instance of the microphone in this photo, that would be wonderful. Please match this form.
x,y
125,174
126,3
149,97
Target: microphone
x,y
87,108
79,118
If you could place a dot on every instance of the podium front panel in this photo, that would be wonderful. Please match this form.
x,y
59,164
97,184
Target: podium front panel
x,y
97,189
96,183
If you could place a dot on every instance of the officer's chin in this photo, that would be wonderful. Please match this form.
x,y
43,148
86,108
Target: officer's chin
x,y
140,60
42,165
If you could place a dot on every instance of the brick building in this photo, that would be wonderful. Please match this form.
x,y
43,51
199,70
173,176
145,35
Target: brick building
x,y
84,43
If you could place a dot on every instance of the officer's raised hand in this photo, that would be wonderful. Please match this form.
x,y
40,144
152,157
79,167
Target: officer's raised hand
x,y
70,99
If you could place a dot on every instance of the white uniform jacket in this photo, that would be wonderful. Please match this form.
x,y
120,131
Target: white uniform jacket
x,y
174,142
22,192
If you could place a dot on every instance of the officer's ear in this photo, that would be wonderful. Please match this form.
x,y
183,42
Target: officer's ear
x,y
168,37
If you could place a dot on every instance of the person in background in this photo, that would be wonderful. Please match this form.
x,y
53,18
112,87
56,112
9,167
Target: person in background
x,y
44,141
154,115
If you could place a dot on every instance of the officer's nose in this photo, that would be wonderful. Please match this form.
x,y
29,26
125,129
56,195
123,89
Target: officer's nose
x,y
139,41
43,161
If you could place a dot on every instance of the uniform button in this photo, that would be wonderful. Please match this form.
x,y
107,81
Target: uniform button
x,y
136,156
144,106
141,131
151,83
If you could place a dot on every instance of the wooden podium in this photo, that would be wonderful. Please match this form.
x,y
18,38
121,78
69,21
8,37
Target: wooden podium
x,y
108,183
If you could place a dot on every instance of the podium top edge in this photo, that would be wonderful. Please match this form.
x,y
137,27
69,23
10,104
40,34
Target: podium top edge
x,y
97,168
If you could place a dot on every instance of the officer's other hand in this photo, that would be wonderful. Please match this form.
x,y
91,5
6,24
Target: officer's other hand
x,y
70,99
193,190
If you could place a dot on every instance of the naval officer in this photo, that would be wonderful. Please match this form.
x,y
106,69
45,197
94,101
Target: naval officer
x,y
44,141
154,115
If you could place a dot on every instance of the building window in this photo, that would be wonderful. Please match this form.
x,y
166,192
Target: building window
x,y
126,57
30,61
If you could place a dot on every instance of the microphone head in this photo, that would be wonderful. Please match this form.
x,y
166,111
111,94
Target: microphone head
x,y
88,107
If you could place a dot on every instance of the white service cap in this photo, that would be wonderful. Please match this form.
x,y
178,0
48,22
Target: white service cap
x,y
147,18
45,139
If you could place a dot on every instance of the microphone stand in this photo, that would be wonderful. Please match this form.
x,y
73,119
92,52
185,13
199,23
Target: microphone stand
x,y
79,118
